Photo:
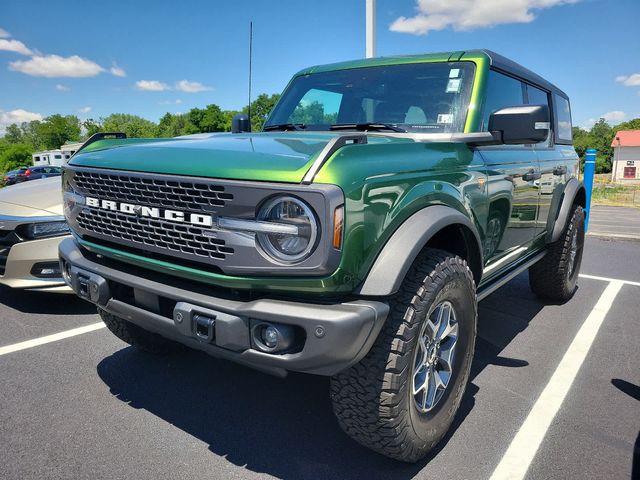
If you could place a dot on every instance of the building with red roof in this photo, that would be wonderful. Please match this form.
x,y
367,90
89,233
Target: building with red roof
x,y
626,156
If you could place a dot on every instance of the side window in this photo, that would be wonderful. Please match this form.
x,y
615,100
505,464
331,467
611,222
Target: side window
x,y
502,91
535,96
562,112
317,106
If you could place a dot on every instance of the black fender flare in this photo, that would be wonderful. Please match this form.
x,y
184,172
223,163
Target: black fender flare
x,y
395,259
574,190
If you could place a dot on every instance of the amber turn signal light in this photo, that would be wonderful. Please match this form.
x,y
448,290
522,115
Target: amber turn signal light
x,y
338,225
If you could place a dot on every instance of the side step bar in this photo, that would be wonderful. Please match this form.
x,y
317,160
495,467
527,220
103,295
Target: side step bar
x,y
493,286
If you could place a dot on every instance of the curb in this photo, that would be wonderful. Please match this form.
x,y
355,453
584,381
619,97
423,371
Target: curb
x,y
614,236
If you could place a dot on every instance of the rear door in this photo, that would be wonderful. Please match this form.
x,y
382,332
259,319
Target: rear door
x,y
512,190
554,165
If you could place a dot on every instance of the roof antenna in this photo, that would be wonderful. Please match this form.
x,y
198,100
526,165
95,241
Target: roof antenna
x,y
250,57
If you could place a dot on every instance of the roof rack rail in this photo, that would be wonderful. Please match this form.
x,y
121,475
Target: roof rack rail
x,y
101,136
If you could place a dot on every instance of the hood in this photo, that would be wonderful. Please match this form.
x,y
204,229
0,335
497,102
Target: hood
x,y
34,198
269,156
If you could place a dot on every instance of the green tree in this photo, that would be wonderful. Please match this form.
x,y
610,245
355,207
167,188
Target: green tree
x,y
260,109
91,127
14,156
228,118
630,125
133,125
208,119
14,134
56,129
174,125
312,113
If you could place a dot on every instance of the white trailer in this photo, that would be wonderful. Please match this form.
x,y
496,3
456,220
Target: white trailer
x,y
50,157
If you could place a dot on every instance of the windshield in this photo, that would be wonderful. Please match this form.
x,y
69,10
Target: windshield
x,y
419,97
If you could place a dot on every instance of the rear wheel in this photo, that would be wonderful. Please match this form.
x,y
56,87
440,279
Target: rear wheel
x,y
137,337
402,397
555,276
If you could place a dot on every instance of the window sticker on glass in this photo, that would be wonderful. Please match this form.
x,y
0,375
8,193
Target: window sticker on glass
x,y
445,118
453,86
454,73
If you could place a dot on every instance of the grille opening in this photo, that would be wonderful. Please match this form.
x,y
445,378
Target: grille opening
x,y
156,256
167,306
124,293
8,238
179,195
150,232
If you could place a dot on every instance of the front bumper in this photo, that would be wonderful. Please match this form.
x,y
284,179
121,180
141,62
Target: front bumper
x,y
21,260
334,335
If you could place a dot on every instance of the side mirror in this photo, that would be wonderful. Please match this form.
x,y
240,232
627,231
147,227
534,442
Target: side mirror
x,y
240,123
521,124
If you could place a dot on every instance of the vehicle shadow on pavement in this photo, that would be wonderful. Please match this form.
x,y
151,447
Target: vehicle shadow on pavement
x,y
285,427
26,301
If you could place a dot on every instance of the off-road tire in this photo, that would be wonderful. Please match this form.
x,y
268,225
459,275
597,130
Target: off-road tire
x,y
373,400
552,277
138,337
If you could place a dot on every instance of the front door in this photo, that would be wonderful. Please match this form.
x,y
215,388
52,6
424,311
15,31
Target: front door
x,y
513,182
512,192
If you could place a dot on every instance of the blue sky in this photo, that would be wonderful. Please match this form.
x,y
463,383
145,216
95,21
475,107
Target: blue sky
x,y
149,57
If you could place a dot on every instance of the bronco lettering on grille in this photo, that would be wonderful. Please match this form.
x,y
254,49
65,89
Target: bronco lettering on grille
x,y
151,212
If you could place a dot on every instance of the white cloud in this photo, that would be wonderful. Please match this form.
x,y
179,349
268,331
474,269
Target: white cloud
x,y
177,101
16,116
117,71
62,88
84,109
191,87
614,117
433,15
57,66
632,80
152,86
14,46
4,33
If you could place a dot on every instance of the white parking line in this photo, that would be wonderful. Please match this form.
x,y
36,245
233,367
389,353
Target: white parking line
x,y
16,347
525,444
607,279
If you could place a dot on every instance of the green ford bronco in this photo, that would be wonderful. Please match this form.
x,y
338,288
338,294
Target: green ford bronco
x,y
352,237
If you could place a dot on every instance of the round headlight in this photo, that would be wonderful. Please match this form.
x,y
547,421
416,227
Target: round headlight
x,y
287,246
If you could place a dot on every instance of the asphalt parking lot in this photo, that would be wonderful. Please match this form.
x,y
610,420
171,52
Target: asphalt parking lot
x,y
89,406
615,222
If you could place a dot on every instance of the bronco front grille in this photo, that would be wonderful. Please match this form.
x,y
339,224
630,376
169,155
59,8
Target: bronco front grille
x,y
186,239
181,239
174,194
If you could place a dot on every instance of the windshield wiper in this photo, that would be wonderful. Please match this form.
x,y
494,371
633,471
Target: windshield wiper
x,y
367,126
285,126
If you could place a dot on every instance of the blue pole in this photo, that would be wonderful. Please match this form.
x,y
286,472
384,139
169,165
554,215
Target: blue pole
x,y
589,172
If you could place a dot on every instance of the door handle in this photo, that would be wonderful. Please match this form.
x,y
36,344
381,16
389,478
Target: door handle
x,y
531,175
561,170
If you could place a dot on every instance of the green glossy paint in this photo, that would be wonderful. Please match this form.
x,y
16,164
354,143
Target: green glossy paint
x,y
384,181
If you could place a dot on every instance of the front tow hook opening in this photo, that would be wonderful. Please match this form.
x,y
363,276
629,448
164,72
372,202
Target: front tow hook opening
x,y
83,287
204,327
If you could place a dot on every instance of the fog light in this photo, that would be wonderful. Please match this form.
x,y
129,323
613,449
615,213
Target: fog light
x,y
46,270
272,337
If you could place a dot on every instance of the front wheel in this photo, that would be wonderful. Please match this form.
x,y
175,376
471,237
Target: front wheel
x,y
555,276
401,399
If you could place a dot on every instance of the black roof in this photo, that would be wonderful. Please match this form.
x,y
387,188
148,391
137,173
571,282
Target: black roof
x,y
509,66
